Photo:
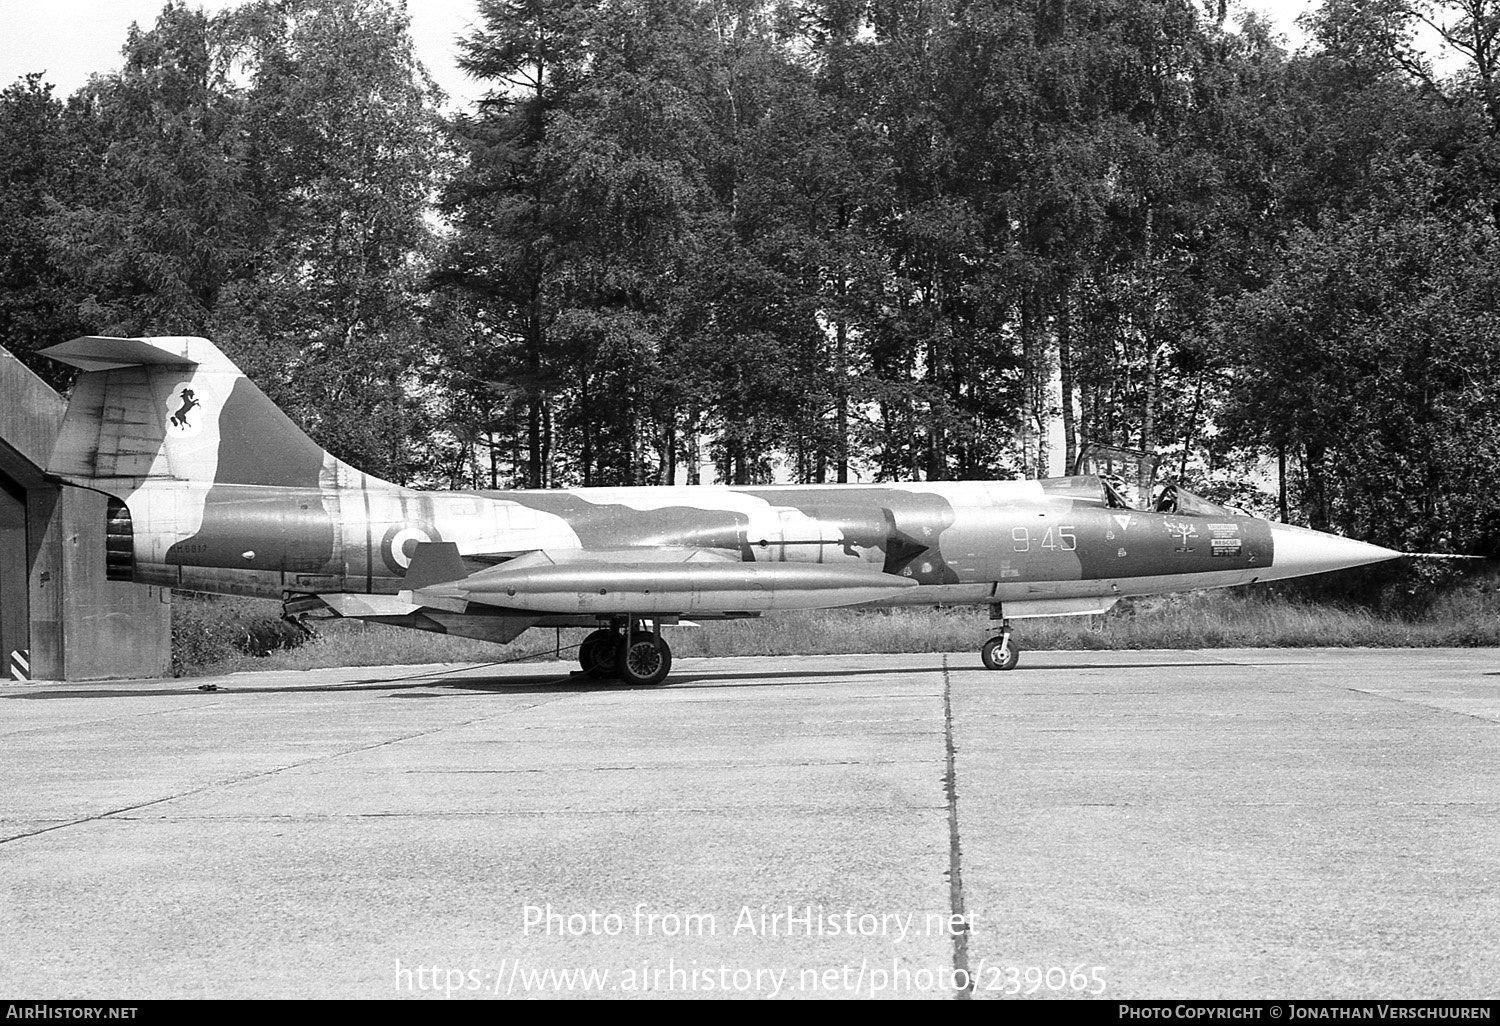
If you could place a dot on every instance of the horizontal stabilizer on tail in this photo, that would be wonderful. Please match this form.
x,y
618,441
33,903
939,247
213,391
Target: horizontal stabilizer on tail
x,y
100,352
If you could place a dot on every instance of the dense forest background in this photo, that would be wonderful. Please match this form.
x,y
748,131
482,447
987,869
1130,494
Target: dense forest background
x,y
810,240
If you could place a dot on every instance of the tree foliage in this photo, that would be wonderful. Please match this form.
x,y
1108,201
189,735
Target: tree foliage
x,y
813,240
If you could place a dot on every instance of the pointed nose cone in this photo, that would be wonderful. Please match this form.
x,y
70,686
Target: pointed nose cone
x,y
1296,551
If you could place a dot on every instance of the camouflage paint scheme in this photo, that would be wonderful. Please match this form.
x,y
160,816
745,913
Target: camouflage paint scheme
x,y
224,493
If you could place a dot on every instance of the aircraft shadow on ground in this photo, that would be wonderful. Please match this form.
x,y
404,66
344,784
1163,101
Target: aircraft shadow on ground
x,y
555,683
729,678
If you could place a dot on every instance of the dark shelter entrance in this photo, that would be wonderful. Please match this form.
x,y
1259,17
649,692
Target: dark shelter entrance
x,y
15,607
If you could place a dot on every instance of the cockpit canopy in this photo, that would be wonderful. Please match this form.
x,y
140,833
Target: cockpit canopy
x,y
1174,498
1101,490
1112,477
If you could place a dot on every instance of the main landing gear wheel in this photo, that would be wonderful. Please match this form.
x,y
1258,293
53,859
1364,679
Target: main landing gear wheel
x,y
645,660
1000,653
599,655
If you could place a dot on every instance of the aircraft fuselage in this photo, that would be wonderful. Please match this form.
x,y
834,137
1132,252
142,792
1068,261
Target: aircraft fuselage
x,y
960,542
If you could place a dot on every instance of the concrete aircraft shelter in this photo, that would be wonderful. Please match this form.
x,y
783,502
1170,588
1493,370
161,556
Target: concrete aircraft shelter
x,y
60,619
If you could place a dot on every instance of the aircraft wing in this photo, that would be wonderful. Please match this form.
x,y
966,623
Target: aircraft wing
x,y
627,581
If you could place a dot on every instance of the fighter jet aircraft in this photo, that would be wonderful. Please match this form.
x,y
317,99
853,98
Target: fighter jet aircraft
x,y
214,489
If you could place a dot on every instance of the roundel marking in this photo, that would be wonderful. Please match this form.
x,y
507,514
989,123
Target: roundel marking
x,y
400,543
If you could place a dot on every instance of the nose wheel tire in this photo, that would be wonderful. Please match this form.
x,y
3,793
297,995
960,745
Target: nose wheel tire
x,y
645,661
1000,653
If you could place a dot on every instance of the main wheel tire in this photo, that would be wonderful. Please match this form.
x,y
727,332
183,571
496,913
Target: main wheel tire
x,y
599,655
1000,653
645,661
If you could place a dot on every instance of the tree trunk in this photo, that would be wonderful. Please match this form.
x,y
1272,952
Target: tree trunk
x,y
693,457
1317,485
587,423
1148,424
1065,372
841,396
535,455
937,456
1187,435
841,358
630,425
1028,391
534,442
1281,481
669,446
547,477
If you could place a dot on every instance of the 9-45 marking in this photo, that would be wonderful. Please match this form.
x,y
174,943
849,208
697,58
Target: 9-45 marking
x,y
1064,538
1016,979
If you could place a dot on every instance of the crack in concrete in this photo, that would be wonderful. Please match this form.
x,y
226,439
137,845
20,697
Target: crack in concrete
x,y
702,764
260,773
1400,700
712,811
955,848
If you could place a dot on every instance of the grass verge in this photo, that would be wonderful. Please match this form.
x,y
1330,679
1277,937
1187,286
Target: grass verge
x,y
214,635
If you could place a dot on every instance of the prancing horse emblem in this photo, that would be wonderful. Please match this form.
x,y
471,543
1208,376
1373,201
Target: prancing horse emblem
x,y
179,419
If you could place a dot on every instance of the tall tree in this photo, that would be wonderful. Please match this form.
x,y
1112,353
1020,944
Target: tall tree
x,y
345,154
506,210
167,222
1374,356
41,169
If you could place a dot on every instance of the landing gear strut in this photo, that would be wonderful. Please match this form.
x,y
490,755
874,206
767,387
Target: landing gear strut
x,y
628,650
1000,653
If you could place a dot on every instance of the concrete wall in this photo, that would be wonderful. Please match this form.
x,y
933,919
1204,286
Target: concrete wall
x,y
30,414
84,627
79,626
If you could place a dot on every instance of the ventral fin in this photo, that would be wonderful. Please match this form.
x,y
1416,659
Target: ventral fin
x,y
435,563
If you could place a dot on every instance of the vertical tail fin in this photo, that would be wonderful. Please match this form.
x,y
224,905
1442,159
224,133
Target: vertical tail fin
x,y
173,409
